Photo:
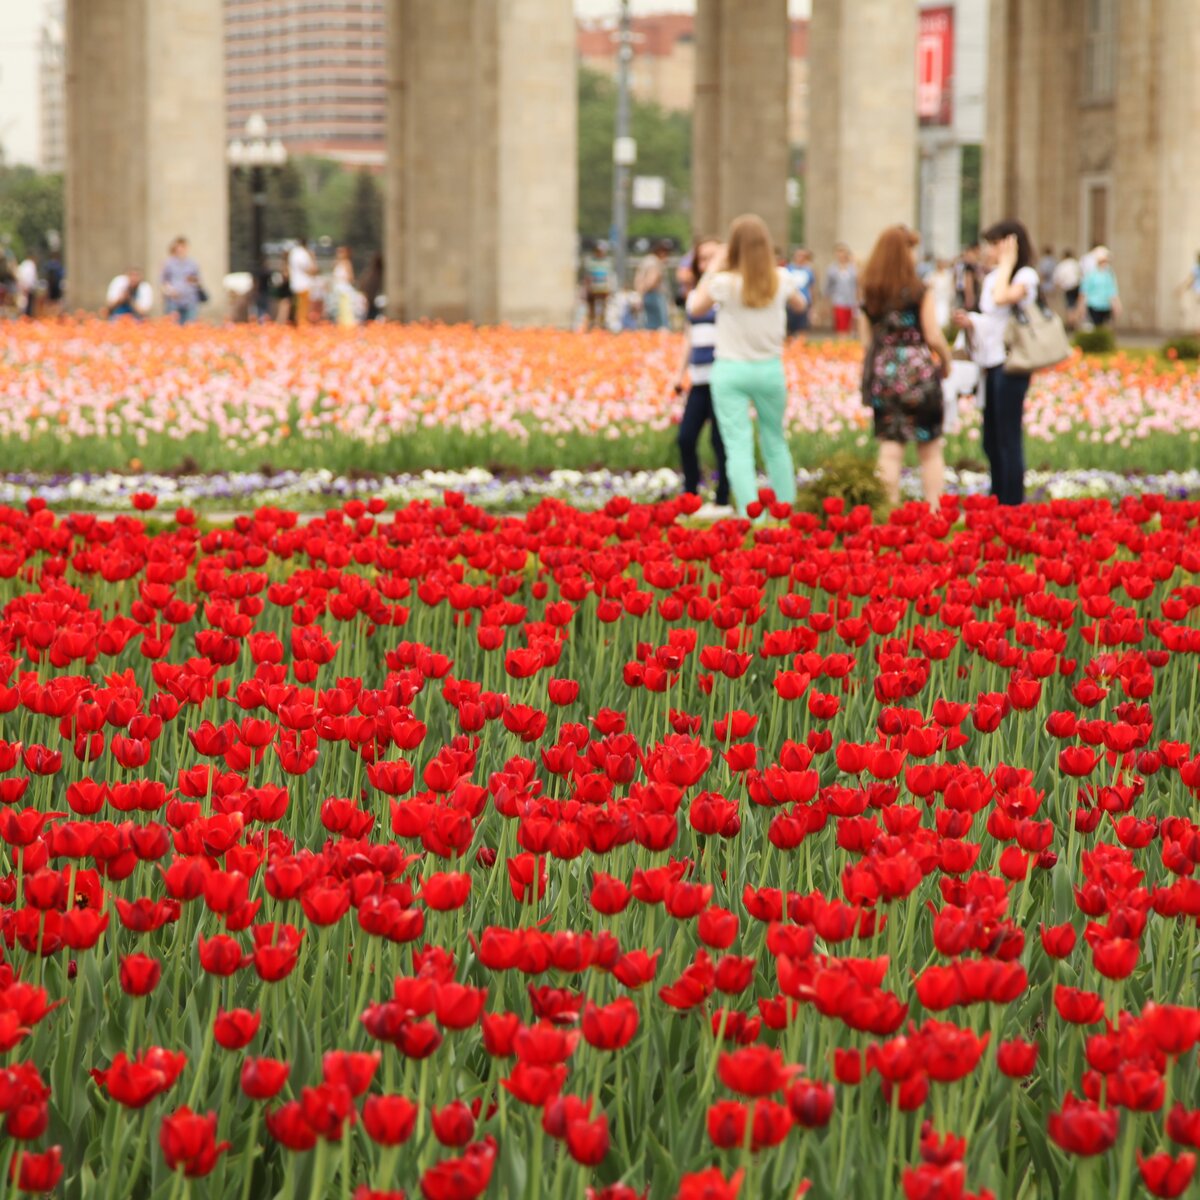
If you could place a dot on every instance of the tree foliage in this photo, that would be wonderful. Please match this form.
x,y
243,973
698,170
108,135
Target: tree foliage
x,y
285,215
664,143
31,209
362,224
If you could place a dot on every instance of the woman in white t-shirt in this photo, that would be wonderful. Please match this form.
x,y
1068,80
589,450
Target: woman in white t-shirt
x,y
752,295
1012,280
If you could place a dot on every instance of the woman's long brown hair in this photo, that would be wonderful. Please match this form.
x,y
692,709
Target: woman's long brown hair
x,y
752,255
890,277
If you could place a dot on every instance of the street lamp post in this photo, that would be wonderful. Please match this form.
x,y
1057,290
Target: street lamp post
x,y
255,153
624,147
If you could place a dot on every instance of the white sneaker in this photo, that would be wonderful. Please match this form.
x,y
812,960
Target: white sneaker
x,y
712,512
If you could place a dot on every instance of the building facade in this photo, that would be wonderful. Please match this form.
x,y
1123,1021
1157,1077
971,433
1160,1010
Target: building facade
x,y
315,69
1093,136
951,94
52,83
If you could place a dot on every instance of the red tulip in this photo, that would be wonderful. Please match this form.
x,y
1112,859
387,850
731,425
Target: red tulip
x,y
263,1078
36,1173
188,1141
1016,1058
453,1124
587,1140
1166,1176
461,1178
289,1127
612,1026
1082,1127
236,1029
709,1184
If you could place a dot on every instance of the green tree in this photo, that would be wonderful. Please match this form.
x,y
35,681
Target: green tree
x,y
664,142
972,175
362,226
797,212
31,209
284,214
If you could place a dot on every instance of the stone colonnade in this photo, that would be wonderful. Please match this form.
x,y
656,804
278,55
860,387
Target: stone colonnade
x,y
1115,162
481,166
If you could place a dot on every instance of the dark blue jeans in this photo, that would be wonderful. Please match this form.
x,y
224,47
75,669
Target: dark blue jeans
x,y
696,414
1003,409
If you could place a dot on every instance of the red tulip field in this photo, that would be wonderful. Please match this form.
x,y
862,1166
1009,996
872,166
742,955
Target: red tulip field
x,y
440,854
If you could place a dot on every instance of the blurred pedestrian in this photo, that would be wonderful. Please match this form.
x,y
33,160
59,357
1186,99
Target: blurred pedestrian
x,y
129,295
907,357
597,284
967,278
650,283
302,270
345,295
695,371
804,279
27,286
54,275
182,290
1067,277
372,286
1098,293
751,294
265,283
841,288
1045,269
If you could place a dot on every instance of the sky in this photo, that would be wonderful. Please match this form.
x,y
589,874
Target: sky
x,y
19,28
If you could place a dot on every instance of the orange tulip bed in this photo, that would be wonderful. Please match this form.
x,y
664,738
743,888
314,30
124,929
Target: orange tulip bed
x,y
96,397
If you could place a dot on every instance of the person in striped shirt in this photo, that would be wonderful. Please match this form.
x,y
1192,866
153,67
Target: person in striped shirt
x,y
695,374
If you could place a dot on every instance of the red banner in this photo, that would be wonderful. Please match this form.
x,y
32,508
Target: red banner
x,y
935,66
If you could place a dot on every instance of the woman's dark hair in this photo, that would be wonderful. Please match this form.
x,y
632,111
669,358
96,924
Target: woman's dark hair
x,y
890,280
1001,230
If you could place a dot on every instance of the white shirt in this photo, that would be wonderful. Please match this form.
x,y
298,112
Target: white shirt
x,y
1067,275
749,334
143,298
300,268
27,276
990,322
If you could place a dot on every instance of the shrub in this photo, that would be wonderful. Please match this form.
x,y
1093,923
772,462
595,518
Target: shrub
x,y
1096,341
851,478
1186,346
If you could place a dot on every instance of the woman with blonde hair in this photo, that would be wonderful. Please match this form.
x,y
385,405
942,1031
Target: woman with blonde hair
x,y
906,360
752,295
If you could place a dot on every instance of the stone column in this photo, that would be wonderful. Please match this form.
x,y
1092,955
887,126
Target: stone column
x,y
740,152
862,163
996,190
145,118
1135,234
1178,97
481,171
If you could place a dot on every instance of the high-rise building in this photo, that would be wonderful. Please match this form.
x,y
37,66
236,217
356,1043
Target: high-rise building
x,y
314,69
52,133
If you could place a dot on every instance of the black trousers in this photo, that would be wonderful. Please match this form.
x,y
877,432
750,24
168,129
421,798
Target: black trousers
x,y
1003,410
696,413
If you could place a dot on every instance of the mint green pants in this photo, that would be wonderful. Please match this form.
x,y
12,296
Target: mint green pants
x,y
735,387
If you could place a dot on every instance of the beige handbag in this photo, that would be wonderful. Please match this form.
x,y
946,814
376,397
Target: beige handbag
x,y
1035,338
